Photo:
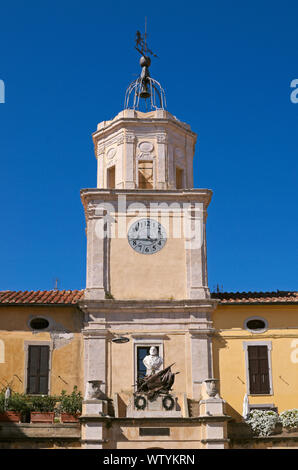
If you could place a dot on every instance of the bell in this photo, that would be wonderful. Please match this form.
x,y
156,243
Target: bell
x,y
144,93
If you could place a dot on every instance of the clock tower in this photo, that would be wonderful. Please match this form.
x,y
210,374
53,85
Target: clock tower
x,y
147,280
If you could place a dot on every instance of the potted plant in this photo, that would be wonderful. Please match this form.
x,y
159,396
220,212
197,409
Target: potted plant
x,y
42,408
13,408
70,406
289,420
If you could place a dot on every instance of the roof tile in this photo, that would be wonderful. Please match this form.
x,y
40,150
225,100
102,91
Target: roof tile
x,y
256,297
41,297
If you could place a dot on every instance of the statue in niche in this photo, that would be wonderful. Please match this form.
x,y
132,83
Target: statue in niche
x,y
156,382
152,361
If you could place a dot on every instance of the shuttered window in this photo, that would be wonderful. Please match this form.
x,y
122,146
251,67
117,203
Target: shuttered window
x,y
38,370
258,370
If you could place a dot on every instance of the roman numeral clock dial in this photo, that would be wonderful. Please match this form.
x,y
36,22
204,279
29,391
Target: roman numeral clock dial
x,y
147,236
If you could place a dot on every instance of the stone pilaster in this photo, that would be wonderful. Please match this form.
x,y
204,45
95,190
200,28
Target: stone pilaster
x,y
201,359
95,355
129,158
162,143
195,244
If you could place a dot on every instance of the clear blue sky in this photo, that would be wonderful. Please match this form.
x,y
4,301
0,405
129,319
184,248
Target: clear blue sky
x,y
226,68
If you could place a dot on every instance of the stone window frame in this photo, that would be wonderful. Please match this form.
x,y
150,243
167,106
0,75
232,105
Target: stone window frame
x,y
26,350
145,342
269,349
256,317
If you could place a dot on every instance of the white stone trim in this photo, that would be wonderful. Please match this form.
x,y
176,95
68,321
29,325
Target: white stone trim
x,y
255,318
269,348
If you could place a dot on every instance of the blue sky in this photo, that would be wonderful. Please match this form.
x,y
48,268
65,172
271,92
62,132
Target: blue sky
x,y
226,68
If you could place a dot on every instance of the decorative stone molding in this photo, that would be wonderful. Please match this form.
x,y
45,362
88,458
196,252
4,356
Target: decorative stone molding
x,y
129,138
111,152
162,139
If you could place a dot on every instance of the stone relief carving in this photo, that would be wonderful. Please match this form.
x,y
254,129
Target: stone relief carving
x,y
145,151
111,153
146,146
156,384
161,138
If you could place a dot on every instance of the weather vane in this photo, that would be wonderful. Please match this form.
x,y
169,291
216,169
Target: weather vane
x,y
144,86
141,42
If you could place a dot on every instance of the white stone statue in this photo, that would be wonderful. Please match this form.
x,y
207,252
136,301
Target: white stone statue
x,y
152,361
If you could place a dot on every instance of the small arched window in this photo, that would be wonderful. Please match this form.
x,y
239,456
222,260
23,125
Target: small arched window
x,y
256,324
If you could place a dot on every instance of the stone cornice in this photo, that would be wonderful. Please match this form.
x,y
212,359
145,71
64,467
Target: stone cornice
x,y
124,122
146,306
149,195
165,421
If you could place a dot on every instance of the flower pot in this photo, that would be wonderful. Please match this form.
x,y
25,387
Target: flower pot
x,y
290,430
11,416
42,417
69,418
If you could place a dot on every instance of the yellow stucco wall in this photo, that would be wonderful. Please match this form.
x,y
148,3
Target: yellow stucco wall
x,y
67,355
229,355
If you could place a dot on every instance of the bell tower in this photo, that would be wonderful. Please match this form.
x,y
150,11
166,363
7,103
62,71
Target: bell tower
x,y
146,280
138,150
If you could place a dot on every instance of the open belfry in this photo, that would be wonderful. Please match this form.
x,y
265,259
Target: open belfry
x,y
148,310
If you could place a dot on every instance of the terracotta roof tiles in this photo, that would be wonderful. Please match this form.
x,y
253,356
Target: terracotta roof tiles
x,y
41,297
256,297
73,296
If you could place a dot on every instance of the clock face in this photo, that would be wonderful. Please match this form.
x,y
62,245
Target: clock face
x,y
147,236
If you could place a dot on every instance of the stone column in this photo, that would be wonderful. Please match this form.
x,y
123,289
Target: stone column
x,y
95,355
195,241
189,162
100,166
96,253
171,168
94,373
201,359
129,158
161,161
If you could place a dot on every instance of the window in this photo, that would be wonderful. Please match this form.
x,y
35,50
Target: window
x,y
256,324
142,351
39,323
258,367
141,348
111,177
38,369
179,178
145,175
